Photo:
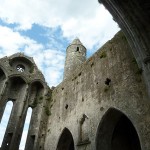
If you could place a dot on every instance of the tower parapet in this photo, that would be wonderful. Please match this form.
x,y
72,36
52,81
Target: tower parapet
x,y
75,55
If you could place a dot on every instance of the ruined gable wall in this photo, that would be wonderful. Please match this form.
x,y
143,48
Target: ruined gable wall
x,y
85,92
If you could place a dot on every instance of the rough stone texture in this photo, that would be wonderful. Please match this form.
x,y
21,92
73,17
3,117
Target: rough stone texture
x,y
26,88
75,56
102,104
81,101
133,17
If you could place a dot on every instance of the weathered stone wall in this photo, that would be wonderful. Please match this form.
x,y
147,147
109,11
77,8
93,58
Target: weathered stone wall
x,y
75,56
133,18
22,83
86,92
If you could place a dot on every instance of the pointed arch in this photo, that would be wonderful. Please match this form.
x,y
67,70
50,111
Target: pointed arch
x,y
66,141
116,132
38,81
18,78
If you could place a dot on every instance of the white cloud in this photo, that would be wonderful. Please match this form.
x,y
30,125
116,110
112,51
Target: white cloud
x,y
86,19
11,42
50,61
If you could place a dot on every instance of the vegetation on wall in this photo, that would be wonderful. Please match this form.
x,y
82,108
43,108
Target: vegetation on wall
x,y
103,54
47,111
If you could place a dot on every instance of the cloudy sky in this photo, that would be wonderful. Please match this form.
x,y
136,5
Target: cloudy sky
x,y
43,29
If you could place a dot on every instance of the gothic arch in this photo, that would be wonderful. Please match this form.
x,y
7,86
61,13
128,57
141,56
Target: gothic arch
x,y
116,132
17,78
66,141
37,82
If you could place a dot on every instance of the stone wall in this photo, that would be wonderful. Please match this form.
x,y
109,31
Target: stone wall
x,y
110,79
22,83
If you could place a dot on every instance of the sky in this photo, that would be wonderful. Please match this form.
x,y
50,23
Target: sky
x,y
43,29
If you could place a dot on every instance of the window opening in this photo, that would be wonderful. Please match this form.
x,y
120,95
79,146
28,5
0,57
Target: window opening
x,y
25,129
66,106
77,49
20,68
5,119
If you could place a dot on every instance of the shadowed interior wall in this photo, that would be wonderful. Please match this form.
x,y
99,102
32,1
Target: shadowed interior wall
x,y
116,132
24,85
66,141
16,92
2,89
35,101
87,93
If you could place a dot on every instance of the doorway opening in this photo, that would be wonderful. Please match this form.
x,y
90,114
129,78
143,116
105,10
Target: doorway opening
x,y
116,132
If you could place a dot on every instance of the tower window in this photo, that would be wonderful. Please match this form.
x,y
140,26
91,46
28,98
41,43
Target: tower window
x,y
66,106
20,68
77,50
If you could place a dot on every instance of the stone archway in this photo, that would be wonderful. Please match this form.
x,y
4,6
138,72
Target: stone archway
x,y
65,141
116,132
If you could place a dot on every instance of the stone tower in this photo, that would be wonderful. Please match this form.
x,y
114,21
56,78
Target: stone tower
x,y
75,55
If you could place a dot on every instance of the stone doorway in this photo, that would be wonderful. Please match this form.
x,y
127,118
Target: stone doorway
x,y
116,132
65,141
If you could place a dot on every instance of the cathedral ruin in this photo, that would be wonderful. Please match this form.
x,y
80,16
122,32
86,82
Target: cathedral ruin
x,y
101,104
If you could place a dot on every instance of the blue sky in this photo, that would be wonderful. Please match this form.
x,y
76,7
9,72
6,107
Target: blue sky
x,y
43,29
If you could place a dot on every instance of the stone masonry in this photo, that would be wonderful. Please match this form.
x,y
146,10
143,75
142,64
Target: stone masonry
x,y
102,103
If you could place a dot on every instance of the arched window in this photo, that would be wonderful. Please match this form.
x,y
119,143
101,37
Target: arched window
x,y
5,120
77,49
25,129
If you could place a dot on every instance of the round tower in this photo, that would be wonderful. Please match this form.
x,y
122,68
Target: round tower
x,y
75,55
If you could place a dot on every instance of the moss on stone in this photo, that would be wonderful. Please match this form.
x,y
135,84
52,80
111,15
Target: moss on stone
x,y
47,111
103,54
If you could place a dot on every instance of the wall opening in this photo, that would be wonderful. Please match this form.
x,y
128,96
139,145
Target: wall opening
x,y
25,129
116,132
65,141
66,106
4,122
77,49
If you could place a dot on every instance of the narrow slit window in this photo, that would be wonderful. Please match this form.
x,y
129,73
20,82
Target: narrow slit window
x,y
77,49
25,129
5,120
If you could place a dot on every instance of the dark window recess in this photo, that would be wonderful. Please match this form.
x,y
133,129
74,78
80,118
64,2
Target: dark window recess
x,y
82,99
66,106
9,137
107,81
32,139
77,49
